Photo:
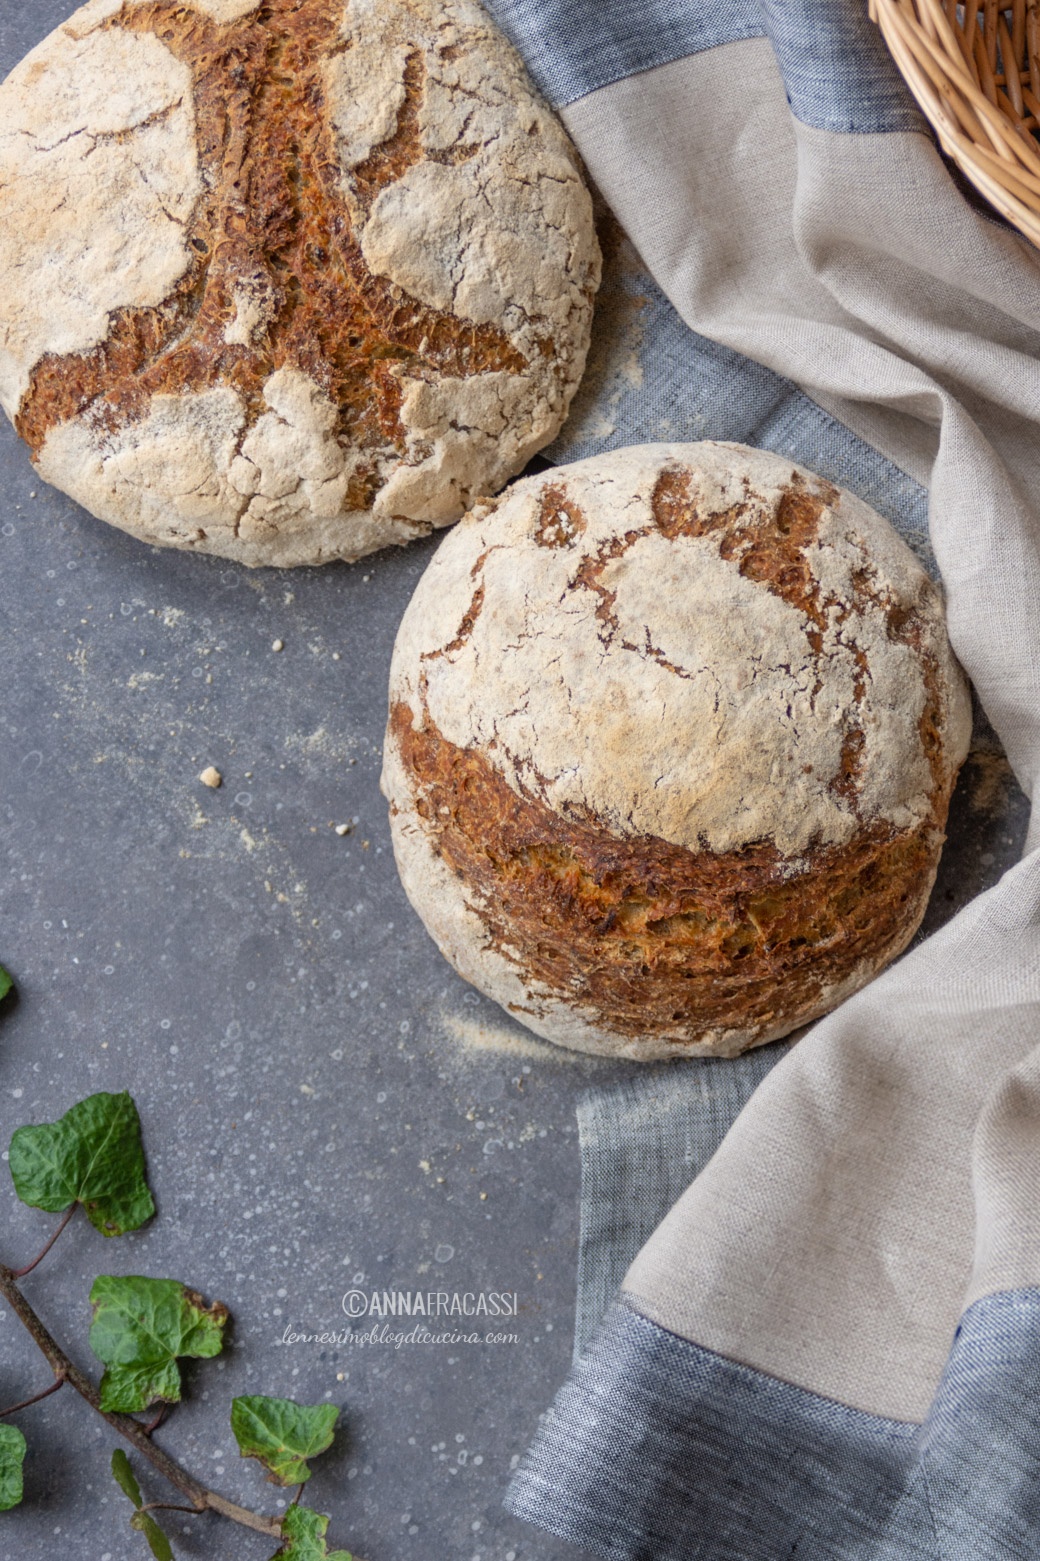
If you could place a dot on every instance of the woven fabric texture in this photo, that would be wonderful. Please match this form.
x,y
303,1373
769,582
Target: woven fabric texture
x,y
688,1456
655,1121
573,47
826,1348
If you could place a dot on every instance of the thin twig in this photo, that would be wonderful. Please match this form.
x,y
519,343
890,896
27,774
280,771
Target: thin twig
x,y
58,1383
20,1273
202,1499
168,1506
153,1425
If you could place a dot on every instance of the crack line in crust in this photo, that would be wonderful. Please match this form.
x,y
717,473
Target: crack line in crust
x,y
775,557
273,225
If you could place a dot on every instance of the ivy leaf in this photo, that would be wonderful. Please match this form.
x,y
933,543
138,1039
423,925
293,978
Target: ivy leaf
x,y
159,1545
6,983
303,1529
143,1522
12,1455
282,1434
140,1328
123,1475
93,1156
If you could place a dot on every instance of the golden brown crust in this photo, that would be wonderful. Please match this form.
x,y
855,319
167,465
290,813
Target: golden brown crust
x,y
647,937
672,740
360,299
778,559
274,219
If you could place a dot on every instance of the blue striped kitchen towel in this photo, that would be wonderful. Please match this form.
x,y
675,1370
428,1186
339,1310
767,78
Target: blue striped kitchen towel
x,y
829,1347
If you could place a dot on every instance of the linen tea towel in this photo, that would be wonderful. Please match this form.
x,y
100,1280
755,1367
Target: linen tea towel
x,y
831,1346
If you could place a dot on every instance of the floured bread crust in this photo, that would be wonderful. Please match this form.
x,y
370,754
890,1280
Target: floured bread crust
x,y
286,282
225,10
672,738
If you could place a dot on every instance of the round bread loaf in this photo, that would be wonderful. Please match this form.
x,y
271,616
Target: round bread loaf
x,y
672,738
286,281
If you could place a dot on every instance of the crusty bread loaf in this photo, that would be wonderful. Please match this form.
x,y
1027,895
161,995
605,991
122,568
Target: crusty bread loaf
x,y
286,282
672,737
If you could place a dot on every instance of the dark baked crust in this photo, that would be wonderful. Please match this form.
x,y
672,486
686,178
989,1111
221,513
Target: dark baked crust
x,y
271,217
775,556
651,939
621,939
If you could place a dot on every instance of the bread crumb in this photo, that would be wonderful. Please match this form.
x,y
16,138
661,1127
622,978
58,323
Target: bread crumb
x,y
483,1197
211,777
277,644
343,829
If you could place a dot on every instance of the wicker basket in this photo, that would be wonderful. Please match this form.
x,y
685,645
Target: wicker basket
x,y
975,70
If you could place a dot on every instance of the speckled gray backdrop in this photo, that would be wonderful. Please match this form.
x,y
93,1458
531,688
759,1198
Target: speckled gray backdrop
x,y
325,1105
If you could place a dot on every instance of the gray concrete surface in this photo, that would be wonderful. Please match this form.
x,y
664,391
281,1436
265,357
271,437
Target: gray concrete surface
x,y
326,1107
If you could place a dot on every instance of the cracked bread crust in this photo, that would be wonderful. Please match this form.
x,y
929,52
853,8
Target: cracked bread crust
x,y
672,738
308,277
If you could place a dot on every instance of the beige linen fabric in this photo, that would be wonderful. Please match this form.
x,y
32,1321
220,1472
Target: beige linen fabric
x,y
888,1171
920,333
832,1239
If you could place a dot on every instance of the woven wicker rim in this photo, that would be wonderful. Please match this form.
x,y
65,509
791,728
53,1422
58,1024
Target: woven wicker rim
x,y
975,70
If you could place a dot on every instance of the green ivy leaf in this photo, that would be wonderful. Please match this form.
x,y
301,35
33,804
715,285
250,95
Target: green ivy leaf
x,y
93,1156
12,1455
140,1328
143,1522
6,983
303,1530
124,1476
282,1434
159,1545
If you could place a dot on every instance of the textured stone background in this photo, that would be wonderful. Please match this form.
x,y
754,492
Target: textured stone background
x,y
324,1102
